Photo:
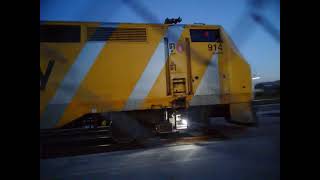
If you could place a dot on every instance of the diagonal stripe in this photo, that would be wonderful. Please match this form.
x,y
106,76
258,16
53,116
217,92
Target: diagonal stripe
x,y
209,88
147,79
71,83
153,69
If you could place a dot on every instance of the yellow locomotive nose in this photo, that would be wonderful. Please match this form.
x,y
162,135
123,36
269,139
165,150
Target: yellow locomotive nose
x,y
147,71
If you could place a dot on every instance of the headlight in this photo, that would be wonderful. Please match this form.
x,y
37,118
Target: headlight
x,y
184,122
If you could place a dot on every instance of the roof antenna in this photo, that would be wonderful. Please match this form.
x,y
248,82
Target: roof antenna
x,y
173,20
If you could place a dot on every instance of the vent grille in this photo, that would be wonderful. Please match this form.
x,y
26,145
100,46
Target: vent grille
x,y
117,34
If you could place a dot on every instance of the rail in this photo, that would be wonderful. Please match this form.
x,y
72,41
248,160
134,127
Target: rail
x,y
265,101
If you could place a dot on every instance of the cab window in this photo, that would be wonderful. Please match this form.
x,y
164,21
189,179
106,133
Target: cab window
x,y
205,35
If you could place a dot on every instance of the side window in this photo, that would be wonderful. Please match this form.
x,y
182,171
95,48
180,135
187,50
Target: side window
x,y
60,33
205,35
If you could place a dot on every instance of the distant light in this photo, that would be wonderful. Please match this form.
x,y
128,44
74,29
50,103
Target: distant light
x,y
255,78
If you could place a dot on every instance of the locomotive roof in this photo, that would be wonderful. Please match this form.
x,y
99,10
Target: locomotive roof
x,y
95,22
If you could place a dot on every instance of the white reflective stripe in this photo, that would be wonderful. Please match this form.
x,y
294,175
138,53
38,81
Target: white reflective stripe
x,y
79,69
147,79
153,69
209,86
71,83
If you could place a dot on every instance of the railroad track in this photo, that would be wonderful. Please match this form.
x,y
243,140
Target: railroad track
x,y
54,136
68,142
265,101
60,143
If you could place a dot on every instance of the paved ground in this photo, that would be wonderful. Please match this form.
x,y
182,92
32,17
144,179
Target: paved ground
x,y
250,154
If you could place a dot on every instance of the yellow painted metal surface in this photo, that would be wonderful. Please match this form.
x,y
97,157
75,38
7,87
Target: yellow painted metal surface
x,y
112,77
64,56
238,74
119,66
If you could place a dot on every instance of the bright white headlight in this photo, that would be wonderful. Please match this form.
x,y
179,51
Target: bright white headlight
x,y
184,122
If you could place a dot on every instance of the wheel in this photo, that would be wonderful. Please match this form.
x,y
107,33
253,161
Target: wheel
x,y
120,133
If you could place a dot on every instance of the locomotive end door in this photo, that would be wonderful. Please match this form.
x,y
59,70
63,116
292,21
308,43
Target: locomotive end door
x,y
178,63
